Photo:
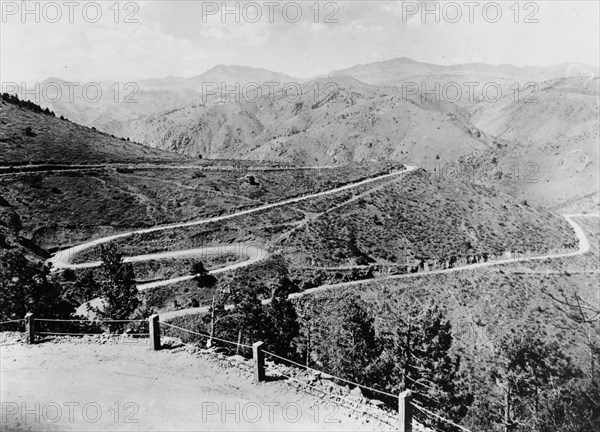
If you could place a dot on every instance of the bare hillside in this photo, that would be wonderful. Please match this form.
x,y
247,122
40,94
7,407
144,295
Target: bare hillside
x,y
557,135
343,121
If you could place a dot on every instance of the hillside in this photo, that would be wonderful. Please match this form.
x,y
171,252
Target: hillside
x,y
119,199
557,137
334,121
484,307
428,221
121,102
56,141
405,224
366,113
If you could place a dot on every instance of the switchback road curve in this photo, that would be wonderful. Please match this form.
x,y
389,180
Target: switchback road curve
x,y
584,247
251,252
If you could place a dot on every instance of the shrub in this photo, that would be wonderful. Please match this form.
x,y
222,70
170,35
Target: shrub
x,y
251,180
33,180
26,286
69,275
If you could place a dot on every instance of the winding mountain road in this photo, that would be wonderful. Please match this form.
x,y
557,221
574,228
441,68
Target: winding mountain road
x,y
252,253
584,247
8,170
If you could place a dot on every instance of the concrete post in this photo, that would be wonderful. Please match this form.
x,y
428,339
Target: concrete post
x,y
29,328
259,361
405,411
154,325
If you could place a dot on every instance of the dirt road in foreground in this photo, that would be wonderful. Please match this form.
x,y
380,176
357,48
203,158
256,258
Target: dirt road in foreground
x,y
80,386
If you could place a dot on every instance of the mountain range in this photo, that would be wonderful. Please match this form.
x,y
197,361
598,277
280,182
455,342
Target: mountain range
x,y
399,109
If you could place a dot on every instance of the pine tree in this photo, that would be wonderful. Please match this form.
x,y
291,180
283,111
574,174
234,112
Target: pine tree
x,y
250,317
308,311
524,366
117,287
26,287
416,356
344,343
283,329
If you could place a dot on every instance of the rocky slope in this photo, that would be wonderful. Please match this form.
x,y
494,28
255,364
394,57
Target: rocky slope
x,y
332,121
549,146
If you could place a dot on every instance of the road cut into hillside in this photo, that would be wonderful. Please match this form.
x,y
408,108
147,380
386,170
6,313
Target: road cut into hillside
x,y
584,247
252,252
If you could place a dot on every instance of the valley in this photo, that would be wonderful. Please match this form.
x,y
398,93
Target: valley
x,y
326,225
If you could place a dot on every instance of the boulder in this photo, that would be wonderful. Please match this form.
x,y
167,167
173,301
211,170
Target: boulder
x,y
356,393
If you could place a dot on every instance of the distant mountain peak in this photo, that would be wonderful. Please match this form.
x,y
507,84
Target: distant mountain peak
x,y
53,80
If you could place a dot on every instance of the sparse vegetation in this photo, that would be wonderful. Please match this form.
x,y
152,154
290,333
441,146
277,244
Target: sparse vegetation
x,y
504,349
53,141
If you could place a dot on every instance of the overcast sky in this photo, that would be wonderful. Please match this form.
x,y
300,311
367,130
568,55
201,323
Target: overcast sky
x,y
171,37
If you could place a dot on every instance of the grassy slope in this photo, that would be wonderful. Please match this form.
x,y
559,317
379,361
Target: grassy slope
x,y
61,141
50,203
420,218
416,218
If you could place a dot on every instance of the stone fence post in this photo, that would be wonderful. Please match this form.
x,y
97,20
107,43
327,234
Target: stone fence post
x,y
29,328
405,411
259,361
154,325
